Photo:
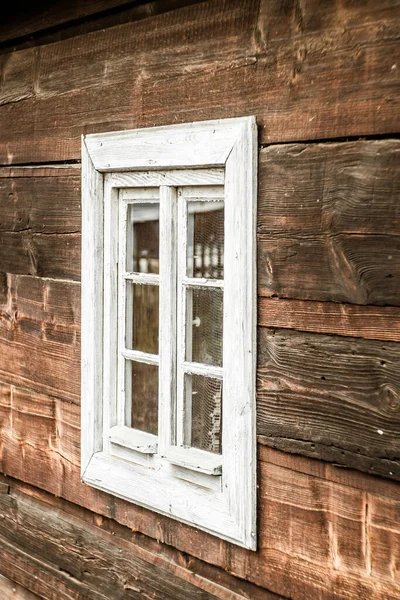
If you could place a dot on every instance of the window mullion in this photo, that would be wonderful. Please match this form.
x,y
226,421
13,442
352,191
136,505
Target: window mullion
x,y
183,419
167,332
124,392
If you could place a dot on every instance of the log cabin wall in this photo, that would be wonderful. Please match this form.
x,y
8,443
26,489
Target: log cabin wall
x,y
322,79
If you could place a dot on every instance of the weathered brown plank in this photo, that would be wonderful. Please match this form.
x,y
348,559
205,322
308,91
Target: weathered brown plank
x,y
330,397
359,269
369,322
45,205
12,591
24,18
40,336
340,188
329,222
123,12
334,473
304,72
49,583
40,224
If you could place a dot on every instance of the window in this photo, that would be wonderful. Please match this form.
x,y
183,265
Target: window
x,y
168,321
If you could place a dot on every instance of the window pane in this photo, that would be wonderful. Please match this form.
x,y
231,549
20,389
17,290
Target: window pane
x,y
142,381
204,325
205,253
143,243
205,397
142,315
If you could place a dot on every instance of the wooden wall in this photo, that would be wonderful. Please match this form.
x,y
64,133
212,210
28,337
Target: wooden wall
x,y
322,79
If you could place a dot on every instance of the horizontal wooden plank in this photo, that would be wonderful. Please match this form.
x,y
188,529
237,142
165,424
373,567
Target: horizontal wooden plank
x,y
336,188
49,22
23,18
304,73
335,397
40,224
333,536
369,322
12,591
328,222
40,335
46,205
331,472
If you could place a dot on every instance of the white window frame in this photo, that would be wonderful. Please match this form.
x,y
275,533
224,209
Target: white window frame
x,y
216,493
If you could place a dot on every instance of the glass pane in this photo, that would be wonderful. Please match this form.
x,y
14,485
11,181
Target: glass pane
x,y
142,380
142,317
205,396
205,253
204,325
143,243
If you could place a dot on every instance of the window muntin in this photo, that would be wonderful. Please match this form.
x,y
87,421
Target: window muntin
x,y
177,470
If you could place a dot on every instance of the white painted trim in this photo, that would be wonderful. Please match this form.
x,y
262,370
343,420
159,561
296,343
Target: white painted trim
x,y
205,144
228,511
174,178
140,441
142,357
92,323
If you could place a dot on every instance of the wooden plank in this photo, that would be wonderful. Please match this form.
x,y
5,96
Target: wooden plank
x,y
369,322
300,75
52,23
340,188
12,591
328,222
46,582
331,398
40,226
17,23
47,205
40,336
335,473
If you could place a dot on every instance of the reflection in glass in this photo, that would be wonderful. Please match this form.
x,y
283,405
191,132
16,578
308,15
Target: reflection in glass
x,y
142,314
204,325
205,396
205,247
143,381
143,239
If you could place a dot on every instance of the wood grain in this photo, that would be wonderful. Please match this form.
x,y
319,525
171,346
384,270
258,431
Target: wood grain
x,y
49,22
22,18
328,222
302,71
369,322
40,335
12,591
335,397
40,226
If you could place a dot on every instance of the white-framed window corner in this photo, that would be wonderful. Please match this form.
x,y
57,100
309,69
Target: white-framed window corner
x,y
169,321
